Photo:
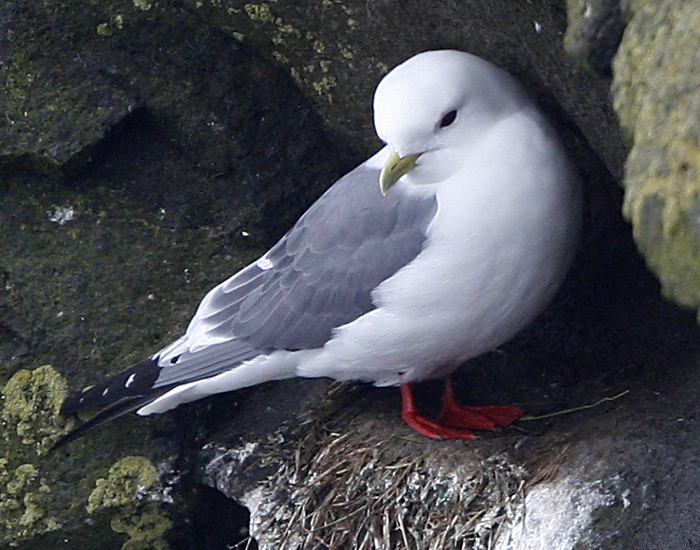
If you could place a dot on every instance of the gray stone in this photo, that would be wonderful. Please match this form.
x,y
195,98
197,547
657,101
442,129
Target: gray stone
x,y
594,32
337,50
657,97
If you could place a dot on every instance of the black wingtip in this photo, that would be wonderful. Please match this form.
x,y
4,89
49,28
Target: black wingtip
x,y
134,382
114,410
122,394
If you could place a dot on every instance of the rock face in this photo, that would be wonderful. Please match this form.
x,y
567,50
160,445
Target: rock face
x,y
99,202
149,150
657,97
594,33
45,497
336,51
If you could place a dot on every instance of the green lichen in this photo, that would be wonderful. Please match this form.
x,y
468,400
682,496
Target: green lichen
x,y
24,474
143,5
115,24
658,102
259,12
145,529
319,46
32,404
324,87
127,488
307,45
128,480
30,415
24,499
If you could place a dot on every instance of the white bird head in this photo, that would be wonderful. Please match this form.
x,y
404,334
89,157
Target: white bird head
x,y
433,105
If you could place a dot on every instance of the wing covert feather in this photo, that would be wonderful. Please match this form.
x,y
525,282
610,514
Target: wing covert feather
x,y
320,275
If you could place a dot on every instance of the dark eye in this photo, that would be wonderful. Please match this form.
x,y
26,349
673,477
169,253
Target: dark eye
x,y
448,119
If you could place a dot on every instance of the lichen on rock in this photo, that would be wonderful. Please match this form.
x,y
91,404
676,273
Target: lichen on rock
x,y
33,498
24,499
127,481
657,98
30,413
32,404
145,530
128,488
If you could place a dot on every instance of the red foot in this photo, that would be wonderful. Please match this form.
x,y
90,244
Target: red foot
x,y
455,419
480,418
425,426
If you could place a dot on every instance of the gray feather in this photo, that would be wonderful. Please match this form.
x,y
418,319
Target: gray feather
x,y
322,276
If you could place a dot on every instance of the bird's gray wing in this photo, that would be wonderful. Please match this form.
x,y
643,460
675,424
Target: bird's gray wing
x,y
319,276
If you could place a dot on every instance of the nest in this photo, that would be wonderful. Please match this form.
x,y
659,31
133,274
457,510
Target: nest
x,y
362,493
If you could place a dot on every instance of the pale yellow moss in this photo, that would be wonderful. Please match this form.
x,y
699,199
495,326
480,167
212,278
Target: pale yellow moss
x,y
32,408
383,67
129,488
24,474
144,5
127,481
32,511
145,530
324,87
280,57
287,29
24,498
259,12
658,102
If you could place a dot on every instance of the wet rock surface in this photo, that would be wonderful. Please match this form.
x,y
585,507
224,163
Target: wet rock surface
x,y
95,255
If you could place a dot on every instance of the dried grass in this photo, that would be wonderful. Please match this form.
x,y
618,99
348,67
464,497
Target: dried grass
x,y
338,492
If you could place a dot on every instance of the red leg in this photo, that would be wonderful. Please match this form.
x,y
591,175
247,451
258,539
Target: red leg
x,y
425,426
482,418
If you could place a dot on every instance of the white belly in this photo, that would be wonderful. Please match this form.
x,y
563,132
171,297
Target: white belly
x,y
494,259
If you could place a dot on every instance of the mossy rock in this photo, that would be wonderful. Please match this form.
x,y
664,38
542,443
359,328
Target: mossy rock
x,y
657,97
78,496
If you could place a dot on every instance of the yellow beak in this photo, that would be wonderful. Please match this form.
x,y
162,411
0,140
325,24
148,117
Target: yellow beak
x,y
394,168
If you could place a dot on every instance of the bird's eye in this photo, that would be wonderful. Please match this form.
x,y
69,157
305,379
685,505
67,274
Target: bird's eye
x,y
448,119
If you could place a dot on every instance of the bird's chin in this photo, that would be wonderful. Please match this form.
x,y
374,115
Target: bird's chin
x,y
436,166
423,176
418,186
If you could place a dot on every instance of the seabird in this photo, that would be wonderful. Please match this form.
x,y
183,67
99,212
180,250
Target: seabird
x,y
437,249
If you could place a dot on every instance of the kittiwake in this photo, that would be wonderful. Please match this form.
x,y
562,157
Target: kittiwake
x,y
437,249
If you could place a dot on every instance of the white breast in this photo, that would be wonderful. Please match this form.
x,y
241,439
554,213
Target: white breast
x,y
501,242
